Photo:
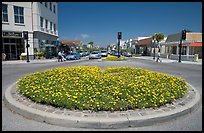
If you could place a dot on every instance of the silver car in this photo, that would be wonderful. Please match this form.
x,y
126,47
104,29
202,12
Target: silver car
x,y
104,53
95,55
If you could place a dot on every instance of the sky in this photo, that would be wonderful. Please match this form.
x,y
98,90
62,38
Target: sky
x,y
100,22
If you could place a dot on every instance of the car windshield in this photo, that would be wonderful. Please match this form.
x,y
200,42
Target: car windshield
x,y
94,52
73,54
103,51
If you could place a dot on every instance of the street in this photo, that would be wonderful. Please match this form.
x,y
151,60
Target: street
x,y
190,72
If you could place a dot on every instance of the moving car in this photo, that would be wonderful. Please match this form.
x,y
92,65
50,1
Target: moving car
x,y
73,56
95,55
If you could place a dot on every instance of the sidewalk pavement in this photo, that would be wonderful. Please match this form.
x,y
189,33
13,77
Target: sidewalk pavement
x,y
165,60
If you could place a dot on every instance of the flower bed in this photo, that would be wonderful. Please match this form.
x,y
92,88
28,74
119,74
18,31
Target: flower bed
x,y
89,88
113,58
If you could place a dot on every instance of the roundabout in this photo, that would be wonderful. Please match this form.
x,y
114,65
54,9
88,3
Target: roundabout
x,y
102,119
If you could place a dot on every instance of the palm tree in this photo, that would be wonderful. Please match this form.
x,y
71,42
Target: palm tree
x,y
157,37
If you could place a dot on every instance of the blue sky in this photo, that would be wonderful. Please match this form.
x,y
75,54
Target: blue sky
x,y
101,21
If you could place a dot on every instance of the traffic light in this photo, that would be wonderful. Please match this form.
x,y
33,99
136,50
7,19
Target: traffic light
x,y
25,34
183,34
119,35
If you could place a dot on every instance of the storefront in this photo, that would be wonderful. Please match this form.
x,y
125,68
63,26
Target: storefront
x,y
13,45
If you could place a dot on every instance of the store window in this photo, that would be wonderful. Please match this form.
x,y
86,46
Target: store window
x,y
4,13
19,14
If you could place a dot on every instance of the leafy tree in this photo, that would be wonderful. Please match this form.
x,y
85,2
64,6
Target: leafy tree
x,y
158,37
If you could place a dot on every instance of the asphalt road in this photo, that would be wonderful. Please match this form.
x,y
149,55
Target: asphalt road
x,y
190,72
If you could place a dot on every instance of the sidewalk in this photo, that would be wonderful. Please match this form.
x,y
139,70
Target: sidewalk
x,y
165,60
31,61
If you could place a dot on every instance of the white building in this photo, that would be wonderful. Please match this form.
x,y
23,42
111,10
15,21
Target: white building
x,y
38,18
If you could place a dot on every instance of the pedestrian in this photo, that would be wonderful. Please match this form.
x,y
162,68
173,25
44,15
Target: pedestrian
x,y
59,56
158,56
63,56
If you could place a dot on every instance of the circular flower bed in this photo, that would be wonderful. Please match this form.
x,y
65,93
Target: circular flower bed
x,y
89,88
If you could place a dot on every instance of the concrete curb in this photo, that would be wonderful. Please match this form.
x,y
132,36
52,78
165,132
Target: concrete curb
x,y
121,120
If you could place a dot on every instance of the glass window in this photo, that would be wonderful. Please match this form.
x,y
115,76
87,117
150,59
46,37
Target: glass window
x,y
50,25
46,24
50,6
4,13
45,4
54,8
19,14
54,27
41,21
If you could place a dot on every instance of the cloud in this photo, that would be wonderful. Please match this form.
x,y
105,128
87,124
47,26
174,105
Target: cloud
x,y
84,36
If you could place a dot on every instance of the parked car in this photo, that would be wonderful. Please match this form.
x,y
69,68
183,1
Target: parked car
x,y
127,54
104,53
73,56
95,55
117,54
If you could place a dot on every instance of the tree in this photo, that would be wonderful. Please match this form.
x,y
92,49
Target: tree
x,y
158,37
91,44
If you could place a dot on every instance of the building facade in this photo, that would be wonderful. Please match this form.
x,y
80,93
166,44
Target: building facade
x,y
191,46
26,16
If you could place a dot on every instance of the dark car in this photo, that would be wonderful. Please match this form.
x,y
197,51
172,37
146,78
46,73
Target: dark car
x,y
117,54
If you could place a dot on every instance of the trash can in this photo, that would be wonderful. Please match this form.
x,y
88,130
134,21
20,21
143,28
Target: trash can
x,y
3,56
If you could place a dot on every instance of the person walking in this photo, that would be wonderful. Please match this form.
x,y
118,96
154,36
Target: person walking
x,y
158,56
59,56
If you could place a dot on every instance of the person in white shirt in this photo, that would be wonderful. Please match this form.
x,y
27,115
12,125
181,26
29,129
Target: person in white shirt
x,y
158,56
59,56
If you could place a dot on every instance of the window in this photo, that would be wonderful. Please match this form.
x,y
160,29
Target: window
x,y
4,13
45,4
50,6
41,21
54,8
51,26
46,23
54,27
18,14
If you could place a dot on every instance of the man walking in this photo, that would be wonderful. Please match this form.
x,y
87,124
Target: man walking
x,y
59,56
